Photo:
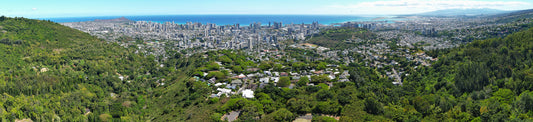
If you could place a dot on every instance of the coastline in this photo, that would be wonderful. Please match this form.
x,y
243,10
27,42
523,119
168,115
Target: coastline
x,y
243,20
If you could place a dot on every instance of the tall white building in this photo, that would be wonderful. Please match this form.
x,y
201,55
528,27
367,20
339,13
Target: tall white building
x,y
250,44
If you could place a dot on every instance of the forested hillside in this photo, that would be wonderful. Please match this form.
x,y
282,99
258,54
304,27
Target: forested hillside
x,y
484,80
49,72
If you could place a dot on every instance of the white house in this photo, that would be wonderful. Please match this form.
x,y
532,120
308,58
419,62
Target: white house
x,y
276,74
222,91
247,93
275,79
268,73
331,76
264,80
219,84
241,76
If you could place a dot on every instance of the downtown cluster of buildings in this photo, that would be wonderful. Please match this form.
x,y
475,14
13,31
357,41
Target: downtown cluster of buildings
x,y
256,36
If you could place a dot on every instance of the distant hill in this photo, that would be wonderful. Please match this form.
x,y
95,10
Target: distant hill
x,y
463,12
513,16
121,19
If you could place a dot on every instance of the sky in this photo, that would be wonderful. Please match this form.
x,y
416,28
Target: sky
x,y
82,8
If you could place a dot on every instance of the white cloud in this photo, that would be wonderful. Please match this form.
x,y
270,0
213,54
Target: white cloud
x,y
419,6
34,9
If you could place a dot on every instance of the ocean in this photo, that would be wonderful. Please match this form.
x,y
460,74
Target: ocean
x,y
228,19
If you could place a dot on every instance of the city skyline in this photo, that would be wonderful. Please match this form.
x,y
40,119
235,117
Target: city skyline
x,y
63,8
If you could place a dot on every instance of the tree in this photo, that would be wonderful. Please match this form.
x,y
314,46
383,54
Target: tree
x,y
327,107
525,102
198,73
278,67
300,106
299,66
251,110
354,77
105,117
213,66
372,106
216,74
224,59
504,96
282,115
423,105
284,82
472,76
324,95
237,69
321,66
303,81
319,78
323,119
265,66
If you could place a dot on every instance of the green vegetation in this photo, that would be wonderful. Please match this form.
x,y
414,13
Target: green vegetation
x,y
471,34
323,119
284,82
303,81
52,72
49,72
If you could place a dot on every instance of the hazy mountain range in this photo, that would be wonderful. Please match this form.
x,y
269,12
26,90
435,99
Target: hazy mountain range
x,y
464,12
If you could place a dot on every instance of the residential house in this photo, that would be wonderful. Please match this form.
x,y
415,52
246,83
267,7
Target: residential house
x,y
264,80
212,80
276,74
241,76
283,74
237,82
331,76
220,84
268,73
275,79
294,74
248,93
222,91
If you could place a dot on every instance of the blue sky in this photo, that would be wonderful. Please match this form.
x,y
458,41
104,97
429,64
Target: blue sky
x,y
76,8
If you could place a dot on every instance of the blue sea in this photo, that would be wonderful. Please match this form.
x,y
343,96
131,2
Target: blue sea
x,y
228,19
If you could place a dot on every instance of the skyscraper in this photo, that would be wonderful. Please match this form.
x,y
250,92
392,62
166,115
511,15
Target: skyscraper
x,y
250,44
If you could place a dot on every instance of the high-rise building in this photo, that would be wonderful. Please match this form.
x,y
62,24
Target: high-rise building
x,y
250,44
302,28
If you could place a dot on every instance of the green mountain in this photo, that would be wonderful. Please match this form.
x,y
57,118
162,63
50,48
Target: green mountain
x,y
49,72
52,72
521,15
463,12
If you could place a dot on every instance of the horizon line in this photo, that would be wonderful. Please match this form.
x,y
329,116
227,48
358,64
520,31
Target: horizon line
x,y
218,14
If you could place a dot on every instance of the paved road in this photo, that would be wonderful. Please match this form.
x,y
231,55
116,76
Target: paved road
x,y
244,84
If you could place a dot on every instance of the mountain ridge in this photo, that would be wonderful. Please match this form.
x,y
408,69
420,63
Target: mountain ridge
x,y
463,12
